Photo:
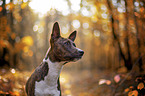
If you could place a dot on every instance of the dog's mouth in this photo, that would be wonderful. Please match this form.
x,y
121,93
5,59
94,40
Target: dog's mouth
x,y
69,59
76,59
73,58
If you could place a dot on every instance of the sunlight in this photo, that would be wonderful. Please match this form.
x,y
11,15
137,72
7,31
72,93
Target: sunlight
x,y
120,9
17,1
104,15
136,3
43,6
103,7
13,71
75,5
75,8
25,1
114,2
40,6
97,33
85,12
1,2
85,25
35,28
63,78
7,1
65,29
76,23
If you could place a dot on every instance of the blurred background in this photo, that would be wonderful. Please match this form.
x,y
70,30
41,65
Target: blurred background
x,y
111,32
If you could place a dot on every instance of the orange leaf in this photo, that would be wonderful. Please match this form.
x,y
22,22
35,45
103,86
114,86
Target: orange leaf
x,y
108,82
23,5
140,86
131,87
15,93
126,90
133,93
13,36
1,9
1,92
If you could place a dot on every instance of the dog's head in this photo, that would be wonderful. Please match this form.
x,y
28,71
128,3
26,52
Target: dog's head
x,y
63,49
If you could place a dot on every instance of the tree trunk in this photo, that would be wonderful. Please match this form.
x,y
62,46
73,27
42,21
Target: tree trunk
x,y
138,41
128,61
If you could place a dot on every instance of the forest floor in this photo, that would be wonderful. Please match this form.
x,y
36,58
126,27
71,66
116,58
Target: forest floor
x,y
79,83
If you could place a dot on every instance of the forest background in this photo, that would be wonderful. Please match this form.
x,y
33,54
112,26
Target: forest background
x,y
111,32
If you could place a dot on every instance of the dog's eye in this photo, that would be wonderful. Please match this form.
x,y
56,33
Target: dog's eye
x,y
74,44
67,43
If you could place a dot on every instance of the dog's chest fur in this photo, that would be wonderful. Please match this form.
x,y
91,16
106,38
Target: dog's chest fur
x,y
50,81
46,78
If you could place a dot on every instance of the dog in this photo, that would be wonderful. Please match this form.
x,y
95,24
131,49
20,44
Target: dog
x,y
44,81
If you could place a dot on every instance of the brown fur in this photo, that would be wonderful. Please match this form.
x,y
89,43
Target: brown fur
x,y
38,75
62,49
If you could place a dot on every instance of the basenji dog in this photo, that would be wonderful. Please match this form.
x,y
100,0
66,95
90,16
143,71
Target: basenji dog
x,y
44,81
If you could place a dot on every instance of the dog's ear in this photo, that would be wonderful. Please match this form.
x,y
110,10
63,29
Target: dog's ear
x,y
72,36
56,31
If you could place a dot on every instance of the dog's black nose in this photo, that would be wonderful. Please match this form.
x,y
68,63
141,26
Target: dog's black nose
x,y
81,53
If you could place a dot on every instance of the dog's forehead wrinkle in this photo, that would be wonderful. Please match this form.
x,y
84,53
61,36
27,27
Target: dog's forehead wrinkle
x,y
63,40
60,40
68,40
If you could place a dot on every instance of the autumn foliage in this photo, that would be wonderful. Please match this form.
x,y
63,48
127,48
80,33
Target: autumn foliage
x,y
111,32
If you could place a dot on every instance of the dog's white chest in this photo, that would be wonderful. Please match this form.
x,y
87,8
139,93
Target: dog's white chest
x,y
43,89
48,86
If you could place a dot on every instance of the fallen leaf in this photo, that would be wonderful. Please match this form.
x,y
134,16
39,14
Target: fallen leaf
x,y
15,93
108,82
117,78
133,93
122,70
131,87
140,86
102,81
126,90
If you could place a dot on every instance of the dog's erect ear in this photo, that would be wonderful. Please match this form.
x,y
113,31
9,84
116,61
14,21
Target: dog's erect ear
x,y
72,36
55,31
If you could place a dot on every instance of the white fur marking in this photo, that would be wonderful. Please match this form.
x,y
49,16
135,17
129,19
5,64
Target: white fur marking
x,y
79,49
48,86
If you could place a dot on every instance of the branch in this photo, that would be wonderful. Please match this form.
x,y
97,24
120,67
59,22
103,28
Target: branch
x,y
127,75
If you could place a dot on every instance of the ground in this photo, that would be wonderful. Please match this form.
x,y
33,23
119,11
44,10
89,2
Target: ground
x,y
79,83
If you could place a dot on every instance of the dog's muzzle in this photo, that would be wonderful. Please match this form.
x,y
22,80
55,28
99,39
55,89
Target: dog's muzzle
x,y
81,52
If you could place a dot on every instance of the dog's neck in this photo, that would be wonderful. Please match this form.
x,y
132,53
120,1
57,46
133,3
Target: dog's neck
x,y
54,71
50,81
54,68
